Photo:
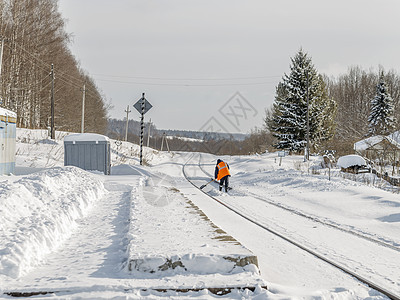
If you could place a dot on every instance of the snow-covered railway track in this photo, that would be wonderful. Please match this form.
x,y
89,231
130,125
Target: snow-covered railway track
x,y
347,270
310,217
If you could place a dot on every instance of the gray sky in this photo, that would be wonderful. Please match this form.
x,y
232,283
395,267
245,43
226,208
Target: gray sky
x,y
191,58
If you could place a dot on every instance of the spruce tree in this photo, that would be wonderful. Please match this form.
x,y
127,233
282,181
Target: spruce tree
x,y
288,120
381,119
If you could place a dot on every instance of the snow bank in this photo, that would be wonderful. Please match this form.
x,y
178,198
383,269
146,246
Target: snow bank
x,y
38,212
35,151
351,160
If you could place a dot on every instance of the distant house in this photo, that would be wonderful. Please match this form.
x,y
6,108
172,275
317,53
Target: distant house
x,y
378,146
382,150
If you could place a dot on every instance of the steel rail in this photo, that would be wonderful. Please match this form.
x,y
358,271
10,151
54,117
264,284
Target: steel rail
x,y
289,240
314,219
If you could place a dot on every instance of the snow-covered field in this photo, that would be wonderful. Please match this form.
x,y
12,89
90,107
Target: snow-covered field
x,y
146,232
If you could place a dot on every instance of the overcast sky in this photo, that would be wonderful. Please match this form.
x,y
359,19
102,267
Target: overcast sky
x,y
215,64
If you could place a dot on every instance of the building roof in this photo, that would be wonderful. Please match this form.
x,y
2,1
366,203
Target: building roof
x,y
395,136
368,143
6,112
85,137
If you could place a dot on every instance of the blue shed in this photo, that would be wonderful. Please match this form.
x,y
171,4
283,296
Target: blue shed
x,y
88,151
8,133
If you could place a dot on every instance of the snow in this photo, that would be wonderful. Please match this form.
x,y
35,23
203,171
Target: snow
x,y
161,214
79,234
85,137
372,141
368,142
186,139
395,136
39,212
351,160
6,112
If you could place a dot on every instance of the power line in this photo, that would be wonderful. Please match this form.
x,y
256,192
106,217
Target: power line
x,y
185,84
189,79
89,92
45,67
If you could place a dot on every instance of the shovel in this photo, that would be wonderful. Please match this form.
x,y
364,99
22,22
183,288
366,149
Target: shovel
x,y
204,185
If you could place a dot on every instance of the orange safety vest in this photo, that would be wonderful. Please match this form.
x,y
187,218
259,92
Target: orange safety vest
x,y
222,170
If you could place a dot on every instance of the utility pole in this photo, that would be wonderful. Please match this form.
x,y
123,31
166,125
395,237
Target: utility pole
x,y
127,122
83,109
142,106
148,134
164,138
307,154
52,131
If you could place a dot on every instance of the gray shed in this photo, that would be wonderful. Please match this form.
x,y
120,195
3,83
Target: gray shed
x,y
88,151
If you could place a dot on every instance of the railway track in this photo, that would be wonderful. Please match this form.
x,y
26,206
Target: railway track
x,y
337,265
313,218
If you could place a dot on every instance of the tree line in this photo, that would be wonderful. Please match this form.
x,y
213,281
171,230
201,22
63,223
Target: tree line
x,y
341,111
356,94
338,111
34,37
192,141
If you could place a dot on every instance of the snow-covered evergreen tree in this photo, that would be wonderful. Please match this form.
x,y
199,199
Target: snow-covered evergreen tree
x,y
288,120
381,119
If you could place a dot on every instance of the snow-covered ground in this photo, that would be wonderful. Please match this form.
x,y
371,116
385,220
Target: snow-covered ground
x,y
146,232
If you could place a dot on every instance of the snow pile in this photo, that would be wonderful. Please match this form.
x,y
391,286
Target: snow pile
x,y
351,160
35,150
38,212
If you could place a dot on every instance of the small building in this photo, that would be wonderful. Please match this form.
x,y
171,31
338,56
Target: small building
x,y
88,151
8,133
380,148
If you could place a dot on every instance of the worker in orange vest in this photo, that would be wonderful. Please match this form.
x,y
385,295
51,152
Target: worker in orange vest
x,y
222,174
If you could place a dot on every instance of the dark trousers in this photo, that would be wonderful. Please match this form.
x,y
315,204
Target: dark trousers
x,y
224,180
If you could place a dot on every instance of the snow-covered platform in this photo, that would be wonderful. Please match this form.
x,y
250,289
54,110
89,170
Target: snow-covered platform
x,y
191,245
138,237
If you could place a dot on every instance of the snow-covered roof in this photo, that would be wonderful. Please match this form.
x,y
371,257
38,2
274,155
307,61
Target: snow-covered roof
x,y
392,141
368,142
351,160
85,137
373,140
395,136
6,112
